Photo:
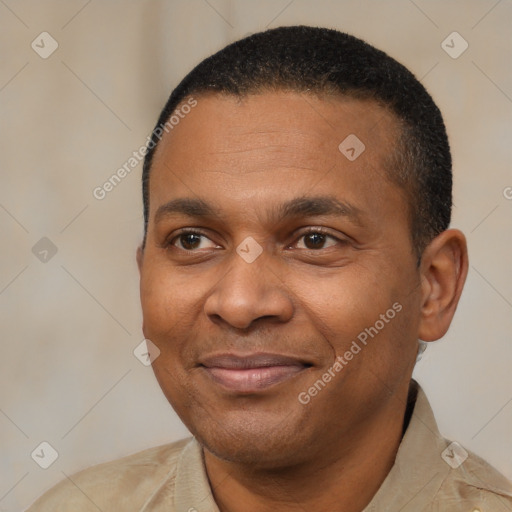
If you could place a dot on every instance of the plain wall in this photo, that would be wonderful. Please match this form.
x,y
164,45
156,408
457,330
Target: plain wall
x,y
68,375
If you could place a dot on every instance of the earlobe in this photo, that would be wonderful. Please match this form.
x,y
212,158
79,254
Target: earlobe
x,y
443,273
140,257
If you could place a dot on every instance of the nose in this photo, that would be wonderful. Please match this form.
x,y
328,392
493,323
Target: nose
x,y
249,292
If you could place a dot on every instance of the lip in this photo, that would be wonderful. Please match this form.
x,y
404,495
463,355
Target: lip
x,y
251,373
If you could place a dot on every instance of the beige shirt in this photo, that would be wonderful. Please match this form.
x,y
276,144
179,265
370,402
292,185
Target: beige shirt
x,y
429,474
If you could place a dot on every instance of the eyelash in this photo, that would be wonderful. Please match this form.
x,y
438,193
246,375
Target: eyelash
x,y
193,231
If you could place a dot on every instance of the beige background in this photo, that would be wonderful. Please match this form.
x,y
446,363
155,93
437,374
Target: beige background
x,y
70,324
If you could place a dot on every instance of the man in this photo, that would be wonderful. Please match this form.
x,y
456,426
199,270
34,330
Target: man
x,y
297,198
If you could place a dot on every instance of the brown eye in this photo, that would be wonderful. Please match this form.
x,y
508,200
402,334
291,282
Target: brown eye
x,y
190,241
316,240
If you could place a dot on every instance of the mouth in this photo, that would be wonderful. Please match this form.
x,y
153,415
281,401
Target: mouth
x,y
251,373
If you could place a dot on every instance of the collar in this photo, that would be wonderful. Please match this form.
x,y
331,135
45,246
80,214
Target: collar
x,y
419,470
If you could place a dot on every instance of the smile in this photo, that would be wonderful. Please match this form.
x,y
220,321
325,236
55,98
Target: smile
x,y
249,374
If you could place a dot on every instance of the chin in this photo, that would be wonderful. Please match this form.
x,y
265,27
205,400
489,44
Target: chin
x,y
256,441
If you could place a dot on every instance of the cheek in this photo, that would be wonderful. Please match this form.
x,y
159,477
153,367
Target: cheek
x,y
167,300
345,302
168,318
172,306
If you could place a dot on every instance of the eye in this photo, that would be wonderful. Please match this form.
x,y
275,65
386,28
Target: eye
x,y
316,238
190,240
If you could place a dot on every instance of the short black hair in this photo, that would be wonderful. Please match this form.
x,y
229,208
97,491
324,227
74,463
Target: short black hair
x,y
321,60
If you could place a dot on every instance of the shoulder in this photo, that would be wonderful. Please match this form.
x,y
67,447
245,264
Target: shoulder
x,y
476,484
121,484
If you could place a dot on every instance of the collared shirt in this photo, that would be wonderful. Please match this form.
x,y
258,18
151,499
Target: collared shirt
x,y
430,474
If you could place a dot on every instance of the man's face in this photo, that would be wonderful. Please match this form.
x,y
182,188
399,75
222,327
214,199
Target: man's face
x,y
243,341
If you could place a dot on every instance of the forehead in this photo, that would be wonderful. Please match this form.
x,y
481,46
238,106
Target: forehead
x,y
262,147
219,121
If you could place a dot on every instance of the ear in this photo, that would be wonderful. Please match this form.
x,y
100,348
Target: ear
x,y
140,257
444,267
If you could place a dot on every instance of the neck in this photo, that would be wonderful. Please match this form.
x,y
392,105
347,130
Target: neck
x,y
344,478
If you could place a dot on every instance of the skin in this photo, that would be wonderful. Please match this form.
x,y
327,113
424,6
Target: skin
x,y
305,297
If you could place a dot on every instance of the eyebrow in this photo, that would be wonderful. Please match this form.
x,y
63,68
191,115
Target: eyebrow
x,y
305,206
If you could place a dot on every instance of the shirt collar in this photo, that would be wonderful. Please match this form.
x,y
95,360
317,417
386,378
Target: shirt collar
x,y
192,488
419,469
